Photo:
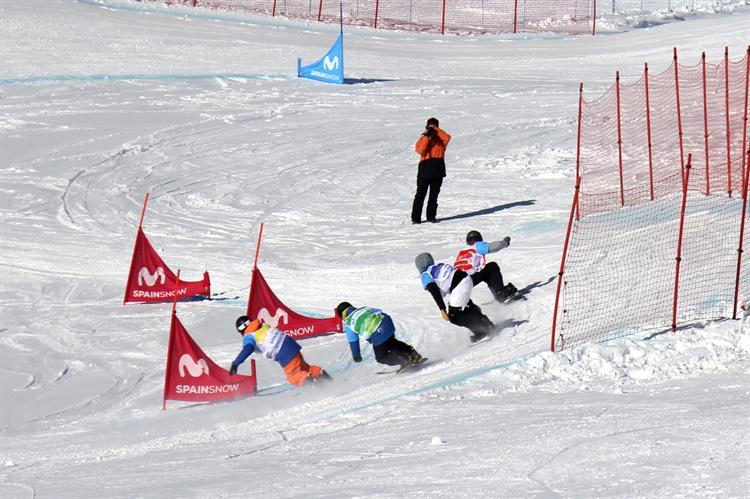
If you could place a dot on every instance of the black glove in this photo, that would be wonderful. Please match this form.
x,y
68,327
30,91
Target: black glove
x,y
429,132
357,358
233,369
507,240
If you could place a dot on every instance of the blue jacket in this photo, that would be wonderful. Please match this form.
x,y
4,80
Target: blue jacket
x,y
372,324
271,342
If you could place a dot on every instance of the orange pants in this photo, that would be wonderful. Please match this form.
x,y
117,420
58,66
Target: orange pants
x,y
298,371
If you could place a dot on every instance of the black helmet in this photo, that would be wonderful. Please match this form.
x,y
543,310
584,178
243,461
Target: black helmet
x,y
473,236
242,322
342,307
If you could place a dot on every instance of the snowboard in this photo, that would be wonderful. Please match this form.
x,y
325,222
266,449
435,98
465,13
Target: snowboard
x,y
413,367
410,367
486,338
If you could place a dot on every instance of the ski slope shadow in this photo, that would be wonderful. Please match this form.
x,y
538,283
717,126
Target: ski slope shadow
x,y
538,284
522,294
355,81
694,324
487,211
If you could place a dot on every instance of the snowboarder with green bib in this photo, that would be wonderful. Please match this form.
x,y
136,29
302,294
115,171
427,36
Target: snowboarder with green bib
x,y
376,327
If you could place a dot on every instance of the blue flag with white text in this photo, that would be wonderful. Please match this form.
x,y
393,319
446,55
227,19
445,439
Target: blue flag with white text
x,y
330,68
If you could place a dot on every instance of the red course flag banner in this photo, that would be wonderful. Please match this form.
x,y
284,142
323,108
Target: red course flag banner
x,y
192,376
263,304
150,279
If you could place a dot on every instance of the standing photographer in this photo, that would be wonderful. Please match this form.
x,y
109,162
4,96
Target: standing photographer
x,y
431,149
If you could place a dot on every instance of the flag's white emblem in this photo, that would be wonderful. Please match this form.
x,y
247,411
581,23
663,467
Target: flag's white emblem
x,y
145,275
329,64
273,320
195,369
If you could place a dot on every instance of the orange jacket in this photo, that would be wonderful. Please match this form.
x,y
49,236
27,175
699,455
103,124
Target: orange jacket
x,y
429,148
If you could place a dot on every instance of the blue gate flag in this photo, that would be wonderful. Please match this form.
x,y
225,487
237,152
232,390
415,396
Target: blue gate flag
x,y
330,68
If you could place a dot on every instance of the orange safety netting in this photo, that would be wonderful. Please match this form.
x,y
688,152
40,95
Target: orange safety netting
x,y
651,245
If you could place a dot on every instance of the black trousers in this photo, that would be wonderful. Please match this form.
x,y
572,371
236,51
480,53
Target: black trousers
x,y
492,276
392,352
471,317
423,185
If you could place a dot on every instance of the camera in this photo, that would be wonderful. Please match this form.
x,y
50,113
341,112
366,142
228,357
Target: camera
x,y
429,132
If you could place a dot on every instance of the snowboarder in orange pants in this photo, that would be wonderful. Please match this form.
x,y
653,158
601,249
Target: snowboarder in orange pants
x,y
275,345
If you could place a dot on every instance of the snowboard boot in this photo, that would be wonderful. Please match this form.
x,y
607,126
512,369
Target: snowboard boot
x,y
479,335
404,361
507,291
323,378
415,358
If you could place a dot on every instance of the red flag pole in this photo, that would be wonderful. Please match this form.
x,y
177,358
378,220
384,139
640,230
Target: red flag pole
x,y
169,345
255,267
257,247
135,245
143,211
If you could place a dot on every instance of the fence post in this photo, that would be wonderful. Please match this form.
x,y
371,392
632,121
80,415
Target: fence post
x,y
619,139
705,124
562,262
574,211
593,28
726,113
739,248
578,142
515,16
648,131
744,164
442,23
320,10
273,10
377,7
679,114
686,179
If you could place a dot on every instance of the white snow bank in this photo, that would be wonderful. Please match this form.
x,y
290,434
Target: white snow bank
x,y
615,366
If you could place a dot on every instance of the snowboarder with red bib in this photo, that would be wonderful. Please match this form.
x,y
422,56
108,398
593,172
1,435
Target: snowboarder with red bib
x,y
472,260
275,345
444,281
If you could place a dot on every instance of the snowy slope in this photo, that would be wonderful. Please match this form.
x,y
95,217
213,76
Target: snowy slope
x,y
99,106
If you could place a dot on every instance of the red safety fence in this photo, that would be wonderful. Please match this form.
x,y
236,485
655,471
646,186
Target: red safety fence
x,y
635,137
657,225
443,16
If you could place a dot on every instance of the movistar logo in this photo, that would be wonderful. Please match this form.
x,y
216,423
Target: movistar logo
x,y
331,64
145,275
195,369
273,320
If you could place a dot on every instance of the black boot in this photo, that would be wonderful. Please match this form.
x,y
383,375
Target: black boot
x,y
478,336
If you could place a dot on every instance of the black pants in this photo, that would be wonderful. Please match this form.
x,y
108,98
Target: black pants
x,y
491,275
423,184
471,317
393,352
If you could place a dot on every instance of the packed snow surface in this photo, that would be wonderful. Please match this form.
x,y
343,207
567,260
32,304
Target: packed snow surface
x,y
101,103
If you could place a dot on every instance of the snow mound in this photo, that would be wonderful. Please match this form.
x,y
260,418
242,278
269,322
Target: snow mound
x,y
615,366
